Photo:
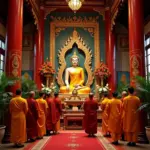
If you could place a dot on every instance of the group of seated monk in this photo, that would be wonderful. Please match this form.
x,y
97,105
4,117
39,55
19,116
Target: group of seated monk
x,y
32,119
120,117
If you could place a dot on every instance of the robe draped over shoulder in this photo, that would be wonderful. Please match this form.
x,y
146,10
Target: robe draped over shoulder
x,y
51,114
18,111
114,118
42,113
104,107
90,118
31,118
131,117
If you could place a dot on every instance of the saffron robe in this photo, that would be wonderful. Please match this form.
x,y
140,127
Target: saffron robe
x,y
104,107
51,119
31,119
114,118
130,117
18,110
58,106
90,118
42,112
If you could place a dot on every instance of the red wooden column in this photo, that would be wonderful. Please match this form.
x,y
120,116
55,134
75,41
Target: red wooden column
x,y
39,52
136,39
113,60
14,40
42,32
110,43
38,60
136,52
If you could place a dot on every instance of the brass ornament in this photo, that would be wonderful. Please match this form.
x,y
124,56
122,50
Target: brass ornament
x,y
88,57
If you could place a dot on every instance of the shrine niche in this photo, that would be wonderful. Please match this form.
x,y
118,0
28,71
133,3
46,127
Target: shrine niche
x,y
75,39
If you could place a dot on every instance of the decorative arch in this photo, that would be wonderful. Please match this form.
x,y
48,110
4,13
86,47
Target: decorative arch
x,y
88,57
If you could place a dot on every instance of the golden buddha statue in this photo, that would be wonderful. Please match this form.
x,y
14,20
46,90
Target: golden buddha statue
x,y
75,75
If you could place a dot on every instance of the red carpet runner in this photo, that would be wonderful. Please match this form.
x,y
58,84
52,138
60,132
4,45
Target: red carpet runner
x,y
73,141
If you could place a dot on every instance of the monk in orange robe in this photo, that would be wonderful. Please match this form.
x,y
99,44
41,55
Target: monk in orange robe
x,y
90,111
104,107
32,117
18,111
114,118
51,119
130,118
58,106
42,113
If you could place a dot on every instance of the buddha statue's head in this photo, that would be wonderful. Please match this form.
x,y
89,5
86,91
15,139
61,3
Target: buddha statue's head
x,y
75,60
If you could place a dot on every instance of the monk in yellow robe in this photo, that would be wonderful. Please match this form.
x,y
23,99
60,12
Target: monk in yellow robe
x,y
114,118
104,106
130,118
42,113
18,111
75,75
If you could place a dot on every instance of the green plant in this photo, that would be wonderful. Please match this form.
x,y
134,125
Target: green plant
x,y
121,87
143,91
5,97
27,86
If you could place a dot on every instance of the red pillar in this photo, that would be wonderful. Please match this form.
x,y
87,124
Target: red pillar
x,y
136,39
39,52
110,43
14,40
42,32
136,51
38,60
113,60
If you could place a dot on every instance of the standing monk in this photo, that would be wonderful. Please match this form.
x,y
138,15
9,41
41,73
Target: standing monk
x,y
104,107
130,119
90,110
32,117
58,106
123,95
51,115
114,118
42,112
18,110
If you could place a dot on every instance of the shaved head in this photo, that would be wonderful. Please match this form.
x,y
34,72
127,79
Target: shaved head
x,y
32,93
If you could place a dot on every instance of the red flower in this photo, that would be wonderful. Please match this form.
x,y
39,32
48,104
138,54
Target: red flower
x,y
46,68
102,71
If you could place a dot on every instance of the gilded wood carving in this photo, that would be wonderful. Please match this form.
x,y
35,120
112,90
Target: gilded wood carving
x,y
88,57
85,22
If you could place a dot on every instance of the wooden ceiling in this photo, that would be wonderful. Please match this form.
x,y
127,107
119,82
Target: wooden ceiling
x,y
88,5
61,5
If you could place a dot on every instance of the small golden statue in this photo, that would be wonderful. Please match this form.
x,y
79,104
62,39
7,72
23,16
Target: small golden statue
x,y
76,76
